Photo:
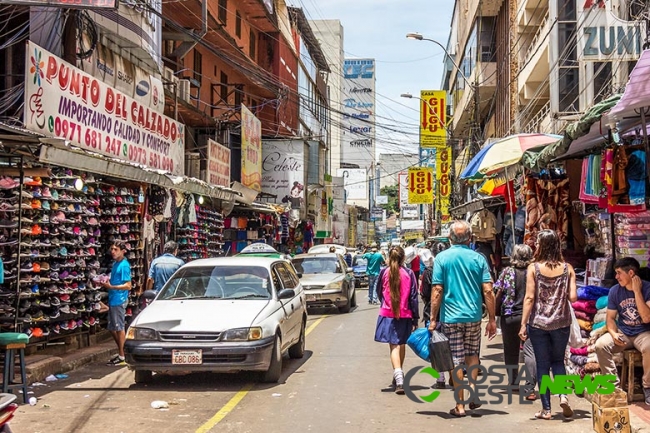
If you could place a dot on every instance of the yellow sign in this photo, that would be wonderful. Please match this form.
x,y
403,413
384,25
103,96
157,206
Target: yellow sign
x,y
433,113
443,184
420,185
411,235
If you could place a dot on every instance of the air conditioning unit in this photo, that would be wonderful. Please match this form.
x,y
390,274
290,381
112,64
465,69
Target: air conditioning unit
x,y
168,74
184,90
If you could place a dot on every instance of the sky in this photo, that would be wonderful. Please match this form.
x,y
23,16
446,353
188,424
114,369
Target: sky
x,y
377,29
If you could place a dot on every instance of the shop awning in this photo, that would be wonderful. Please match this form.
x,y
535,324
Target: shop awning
x,y
101,165
538,160
476,205
637,92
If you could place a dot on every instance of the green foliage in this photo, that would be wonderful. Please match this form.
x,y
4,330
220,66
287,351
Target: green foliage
x,y
393,202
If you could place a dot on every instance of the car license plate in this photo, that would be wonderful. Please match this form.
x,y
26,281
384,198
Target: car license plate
x,y
311,298
187,357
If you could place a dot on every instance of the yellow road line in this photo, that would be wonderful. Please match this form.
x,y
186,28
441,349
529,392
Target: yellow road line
x,y
233,402
226,409
313,325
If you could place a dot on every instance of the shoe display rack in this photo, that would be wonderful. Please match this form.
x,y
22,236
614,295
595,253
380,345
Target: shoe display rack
x,y
121,220
59,241
203,239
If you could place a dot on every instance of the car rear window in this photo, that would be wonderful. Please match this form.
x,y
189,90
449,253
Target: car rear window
x,y
219,282
317,265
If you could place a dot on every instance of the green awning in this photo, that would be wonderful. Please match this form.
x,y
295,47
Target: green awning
x,y
537,160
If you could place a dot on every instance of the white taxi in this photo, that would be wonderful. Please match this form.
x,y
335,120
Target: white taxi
x,y
221,315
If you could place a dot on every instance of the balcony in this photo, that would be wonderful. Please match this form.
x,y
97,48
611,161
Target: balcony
x,y
534,63
465,114
490,8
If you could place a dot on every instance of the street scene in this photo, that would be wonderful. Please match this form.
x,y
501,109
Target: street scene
x,y
309,215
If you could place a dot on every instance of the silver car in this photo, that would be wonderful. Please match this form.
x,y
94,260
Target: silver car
x,y
327,280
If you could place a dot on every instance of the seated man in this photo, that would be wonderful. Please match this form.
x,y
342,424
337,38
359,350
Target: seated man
x,y
630,299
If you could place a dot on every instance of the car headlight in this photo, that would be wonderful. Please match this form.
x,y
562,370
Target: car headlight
x,y
334,286
134,333
242,334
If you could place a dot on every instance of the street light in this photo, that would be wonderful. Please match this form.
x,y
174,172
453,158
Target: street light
x,y
419,37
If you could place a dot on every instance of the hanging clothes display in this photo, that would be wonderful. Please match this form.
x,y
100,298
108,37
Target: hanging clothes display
x,y
484,226
590,183
547,205
620,196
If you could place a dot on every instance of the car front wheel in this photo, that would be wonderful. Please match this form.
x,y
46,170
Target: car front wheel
x,y
275,367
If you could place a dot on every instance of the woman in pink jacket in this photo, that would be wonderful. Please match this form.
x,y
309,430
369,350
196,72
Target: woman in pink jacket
x,y
398,312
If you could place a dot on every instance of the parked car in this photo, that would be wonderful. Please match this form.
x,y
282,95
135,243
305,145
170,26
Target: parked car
x,y
359,266
327,280
325,248
222,315
260,249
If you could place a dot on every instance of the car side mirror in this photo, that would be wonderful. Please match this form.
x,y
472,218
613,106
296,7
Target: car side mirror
x,y
149,295
286,294
299,275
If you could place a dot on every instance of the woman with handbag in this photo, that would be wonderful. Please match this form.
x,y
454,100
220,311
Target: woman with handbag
x,y
510,292
397,292
550,283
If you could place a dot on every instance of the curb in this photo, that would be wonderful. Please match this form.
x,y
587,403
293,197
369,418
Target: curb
x,y
43,366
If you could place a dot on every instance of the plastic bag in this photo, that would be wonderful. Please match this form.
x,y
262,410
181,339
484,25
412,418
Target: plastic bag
x,y
418,341
440,352
575,339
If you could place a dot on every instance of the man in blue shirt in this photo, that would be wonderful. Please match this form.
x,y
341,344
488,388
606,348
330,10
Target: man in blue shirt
x,y
630,300
163,267
375,260
461,280
118,288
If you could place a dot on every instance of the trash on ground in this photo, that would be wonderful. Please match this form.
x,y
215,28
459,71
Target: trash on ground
x,y
275,394
61,376
51,378
38,384
159,404
32,401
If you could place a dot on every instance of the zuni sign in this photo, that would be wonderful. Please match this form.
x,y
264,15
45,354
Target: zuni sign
x,y
608,38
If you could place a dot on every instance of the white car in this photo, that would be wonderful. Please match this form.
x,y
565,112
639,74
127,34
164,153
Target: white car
x,y
327,280
222,315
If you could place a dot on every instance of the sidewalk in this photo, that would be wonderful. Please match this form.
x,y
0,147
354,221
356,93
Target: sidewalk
x,y
39,366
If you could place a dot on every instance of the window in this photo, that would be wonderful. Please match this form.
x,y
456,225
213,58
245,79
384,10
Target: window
x,y
602,80
223,11
238,24
569,90
253,44
224,87
238,96
198,61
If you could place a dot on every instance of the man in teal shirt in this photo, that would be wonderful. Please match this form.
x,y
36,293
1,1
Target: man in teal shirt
x,y
375,260
118,296
461,280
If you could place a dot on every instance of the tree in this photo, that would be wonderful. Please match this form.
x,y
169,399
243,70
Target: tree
x,y
393,202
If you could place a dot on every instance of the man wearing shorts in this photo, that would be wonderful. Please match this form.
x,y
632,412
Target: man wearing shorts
x,y
118,288
461,280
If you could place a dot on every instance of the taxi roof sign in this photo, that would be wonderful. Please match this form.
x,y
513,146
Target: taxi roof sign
x,y
259,248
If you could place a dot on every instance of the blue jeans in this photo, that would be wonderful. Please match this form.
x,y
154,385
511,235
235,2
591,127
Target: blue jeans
x,y
372,288
549,348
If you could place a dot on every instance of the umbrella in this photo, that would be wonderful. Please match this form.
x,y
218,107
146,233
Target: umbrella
x,y
509,150
471,170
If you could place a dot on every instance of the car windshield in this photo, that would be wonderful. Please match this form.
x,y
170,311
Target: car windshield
x,y
218,282
317,265
360,261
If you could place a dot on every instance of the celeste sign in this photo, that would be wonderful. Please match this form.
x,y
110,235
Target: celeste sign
x,y
283,172
63,101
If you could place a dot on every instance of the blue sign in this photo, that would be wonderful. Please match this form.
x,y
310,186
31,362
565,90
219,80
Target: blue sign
x,y
359,68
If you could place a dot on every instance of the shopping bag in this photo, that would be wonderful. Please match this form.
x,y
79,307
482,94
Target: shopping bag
x,y
575,339
418,341
440,352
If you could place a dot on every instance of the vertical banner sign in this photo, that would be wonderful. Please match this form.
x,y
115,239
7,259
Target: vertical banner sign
x,y
443,162
65,102
251,150
283,170
358,112
218,164
433,112
420,189
407,210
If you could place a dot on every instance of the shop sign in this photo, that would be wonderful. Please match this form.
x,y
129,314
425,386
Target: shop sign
x,y
406,210
420,185
606,38
358,141
355,183
443,162
64,102
433,109
218,172
251,150
283,170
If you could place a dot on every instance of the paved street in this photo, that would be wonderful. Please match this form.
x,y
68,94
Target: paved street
x,y
340,385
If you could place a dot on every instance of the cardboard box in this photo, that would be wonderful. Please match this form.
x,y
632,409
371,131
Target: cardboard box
x,y
617,399
611,419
